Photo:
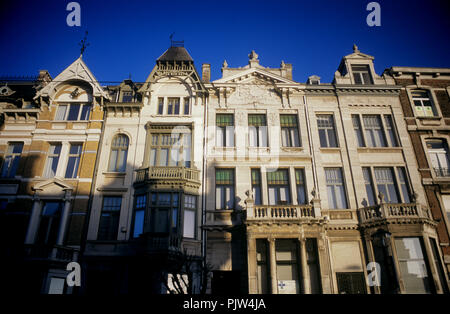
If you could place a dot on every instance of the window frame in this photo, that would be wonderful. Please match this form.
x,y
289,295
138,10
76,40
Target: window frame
x,y
292,131
231,185
135,210
335,190
256,183
119,149
388,132
301,171
115,212
13,164
78,160
67,111
278,186
194,210
430,98
46,170
399,190
327,129
224,129
182,144
359,73
260,130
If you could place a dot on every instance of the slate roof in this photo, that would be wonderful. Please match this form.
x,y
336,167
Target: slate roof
x,y
175,54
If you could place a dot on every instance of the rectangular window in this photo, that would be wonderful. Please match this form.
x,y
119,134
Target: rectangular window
x,y
160,105
57,285
278,187
50,223
139,215
171,149
187,106
404,185
74,160
256,186
224,130
224,188
327,131
351,283
390,130
257,130
288,277
190,206
164,212
337,198
374,132
413,266
109,219
262,266
173,106
438,153
386,184
52,160
11,161
358,130
361,74
423,104
289,131
73,112
301,186
368,182
127,96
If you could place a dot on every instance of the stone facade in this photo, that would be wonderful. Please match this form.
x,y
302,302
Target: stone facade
x,y
283,187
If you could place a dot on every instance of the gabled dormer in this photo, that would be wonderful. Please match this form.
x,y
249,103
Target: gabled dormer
x,y
358,69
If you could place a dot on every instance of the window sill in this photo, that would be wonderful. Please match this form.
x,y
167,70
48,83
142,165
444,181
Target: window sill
x,y
109,174
330,149
379,149
292,148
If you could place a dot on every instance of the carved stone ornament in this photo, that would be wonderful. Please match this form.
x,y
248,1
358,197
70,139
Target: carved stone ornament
x,y
249,93
6,91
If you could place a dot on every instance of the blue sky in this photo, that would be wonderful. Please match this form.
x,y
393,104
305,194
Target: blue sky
x,y
127,36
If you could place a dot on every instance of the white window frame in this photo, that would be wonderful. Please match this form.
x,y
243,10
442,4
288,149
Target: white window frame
x,y
66,112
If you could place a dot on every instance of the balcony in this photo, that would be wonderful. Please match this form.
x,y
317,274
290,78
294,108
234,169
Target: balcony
x,y
168,173
281,213
442,172
163,242
386,211
50,253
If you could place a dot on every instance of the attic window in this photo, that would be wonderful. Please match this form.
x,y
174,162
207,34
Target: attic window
x,y
127,96
361,74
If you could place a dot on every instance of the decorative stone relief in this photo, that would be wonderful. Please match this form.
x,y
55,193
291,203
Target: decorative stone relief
x,y
251,93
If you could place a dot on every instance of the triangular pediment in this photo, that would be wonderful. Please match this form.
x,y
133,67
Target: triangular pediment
x,y
77,71
249,75
53,184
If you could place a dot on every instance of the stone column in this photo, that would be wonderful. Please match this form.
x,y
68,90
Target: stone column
x,y
252,269
273,266
35,217
371,257
64,218
304,266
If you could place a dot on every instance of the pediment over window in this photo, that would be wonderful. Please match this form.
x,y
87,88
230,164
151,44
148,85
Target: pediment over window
x,y
52,188
254,75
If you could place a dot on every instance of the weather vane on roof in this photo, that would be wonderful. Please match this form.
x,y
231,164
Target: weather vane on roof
x,y
174,43
83,44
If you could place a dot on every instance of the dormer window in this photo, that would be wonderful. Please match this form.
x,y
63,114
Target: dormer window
x,y
361,75
73,112
423,103
127,96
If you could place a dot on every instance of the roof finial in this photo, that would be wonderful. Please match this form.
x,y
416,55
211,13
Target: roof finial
x,y
83,44
225,64
253,56
355,48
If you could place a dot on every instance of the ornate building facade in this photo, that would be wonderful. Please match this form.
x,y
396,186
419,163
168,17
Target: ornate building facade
x,y
283,187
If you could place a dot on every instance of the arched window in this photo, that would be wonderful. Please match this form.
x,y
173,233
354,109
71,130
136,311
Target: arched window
x,y
119,152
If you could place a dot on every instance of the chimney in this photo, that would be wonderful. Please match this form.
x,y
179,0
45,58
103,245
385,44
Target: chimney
x,y
206,72
289,71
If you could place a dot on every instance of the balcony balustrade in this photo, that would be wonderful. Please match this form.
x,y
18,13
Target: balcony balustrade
x,y
442,172
51,253
161,173
392,211
280,212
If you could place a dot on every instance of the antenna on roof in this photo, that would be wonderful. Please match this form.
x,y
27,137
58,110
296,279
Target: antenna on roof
x,y
174,43
83,44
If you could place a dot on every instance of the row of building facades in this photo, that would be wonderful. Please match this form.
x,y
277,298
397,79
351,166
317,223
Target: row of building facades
x,y
277,186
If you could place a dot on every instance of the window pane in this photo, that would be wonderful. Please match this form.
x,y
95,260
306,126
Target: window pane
x,y
138,223
294,137
163,157
113,160
285,137
252,136
74,109
61,113
358,131
369,186
186,106
153,157
230,136
391,130
85,112
122,162
220,135
189,224
160,105
262,133
72,167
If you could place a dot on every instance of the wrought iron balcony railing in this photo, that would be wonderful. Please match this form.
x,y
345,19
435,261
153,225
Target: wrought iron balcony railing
x,y
155,173
391,211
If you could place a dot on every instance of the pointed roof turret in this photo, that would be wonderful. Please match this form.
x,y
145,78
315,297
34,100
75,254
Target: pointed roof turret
x,y
175,54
